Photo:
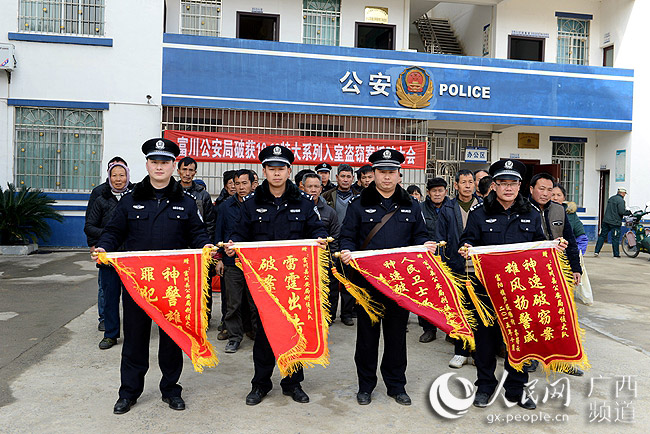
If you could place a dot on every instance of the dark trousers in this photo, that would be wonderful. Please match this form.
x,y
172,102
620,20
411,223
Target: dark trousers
x,y
237,291
488,342
264,361
426,325
135,354
112,285
224,302
602,237
209,298
100,297
347,301
393,361
459,350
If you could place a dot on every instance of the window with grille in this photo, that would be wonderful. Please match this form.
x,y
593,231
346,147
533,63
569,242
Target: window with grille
x,y
573,41
80,17
321,22
571,158
58,149
201,17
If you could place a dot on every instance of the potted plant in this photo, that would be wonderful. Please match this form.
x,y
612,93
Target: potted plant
x,y
23,219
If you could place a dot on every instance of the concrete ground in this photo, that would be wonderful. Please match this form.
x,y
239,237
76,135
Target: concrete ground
x,y
53,378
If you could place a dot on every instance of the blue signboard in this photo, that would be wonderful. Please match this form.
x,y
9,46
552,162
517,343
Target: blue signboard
x,y
275,76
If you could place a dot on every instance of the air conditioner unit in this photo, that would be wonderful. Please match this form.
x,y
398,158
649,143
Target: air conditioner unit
x,y
7,57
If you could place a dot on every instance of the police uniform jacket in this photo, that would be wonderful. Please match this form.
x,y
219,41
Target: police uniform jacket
x,y
204,204
449,229
292,217
405,228
228,215
331,221
490,224
555,224
143,222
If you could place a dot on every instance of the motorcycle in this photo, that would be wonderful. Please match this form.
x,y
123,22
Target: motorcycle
x,y
637,239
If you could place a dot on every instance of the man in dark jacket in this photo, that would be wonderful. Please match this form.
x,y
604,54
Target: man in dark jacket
x,y
227,217
156,215
504,217
313,186
276,210
614,212
436,197
404,227
228,189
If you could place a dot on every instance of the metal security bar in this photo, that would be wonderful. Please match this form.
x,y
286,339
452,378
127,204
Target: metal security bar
x,y
201,17
290,124
573,41
321,22
447,152
58,149
81,17
571,158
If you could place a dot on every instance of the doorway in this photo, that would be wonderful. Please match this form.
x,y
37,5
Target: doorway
x,y
603,193
523,48
377,36
262,27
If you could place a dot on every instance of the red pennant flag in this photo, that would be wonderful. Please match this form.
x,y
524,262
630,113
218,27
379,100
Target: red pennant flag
x,y
419,282
289,284
171,287
531,288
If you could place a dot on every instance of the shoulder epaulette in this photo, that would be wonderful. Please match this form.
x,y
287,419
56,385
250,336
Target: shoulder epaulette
x,y
189,194
476,206
354,198
305,195
248,197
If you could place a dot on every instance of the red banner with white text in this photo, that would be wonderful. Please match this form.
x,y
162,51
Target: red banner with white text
x,y
244,148
530,286
171,287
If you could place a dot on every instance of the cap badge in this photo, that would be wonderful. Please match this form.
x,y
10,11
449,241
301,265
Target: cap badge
x,y
160,144
277,150
386,154
508,164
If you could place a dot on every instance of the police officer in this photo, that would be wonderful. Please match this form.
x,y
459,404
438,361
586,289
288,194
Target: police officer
x,y
325,171
276,210
156,215
504,217
366,228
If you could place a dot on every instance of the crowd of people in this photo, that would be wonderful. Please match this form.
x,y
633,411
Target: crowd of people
x,y
366,209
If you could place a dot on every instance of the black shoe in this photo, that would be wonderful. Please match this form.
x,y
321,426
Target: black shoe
x,y
533,366
231,347
255,396
528,404
101,327
107,343
297,394
401,398
251,335
363,398
575,372
353,314
175,402
123,405
223,335
347,321
450,339
481,399
428,336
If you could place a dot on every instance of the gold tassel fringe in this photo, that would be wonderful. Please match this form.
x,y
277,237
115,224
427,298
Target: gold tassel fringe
x,y
375,310
484,312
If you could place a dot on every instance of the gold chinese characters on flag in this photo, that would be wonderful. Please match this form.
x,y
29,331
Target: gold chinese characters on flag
x,y
530,286
416,280
171,287
289,285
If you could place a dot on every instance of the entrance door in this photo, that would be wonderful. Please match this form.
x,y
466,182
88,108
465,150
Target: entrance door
x,y
373,35
263,27
603,192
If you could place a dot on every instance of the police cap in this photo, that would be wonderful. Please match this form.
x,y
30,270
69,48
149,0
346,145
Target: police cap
x,y
276,155
160,149
508,169
386,159
323,167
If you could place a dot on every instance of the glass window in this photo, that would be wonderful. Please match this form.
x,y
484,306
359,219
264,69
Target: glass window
x,y
571,158
80,17
58,149
201,17
573,41
321,22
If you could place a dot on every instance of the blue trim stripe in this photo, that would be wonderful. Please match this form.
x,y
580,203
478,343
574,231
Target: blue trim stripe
x,y
57,39
69,208
68,196
575,16
567,139
58,104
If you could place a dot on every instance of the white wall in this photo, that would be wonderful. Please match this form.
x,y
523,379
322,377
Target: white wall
x,y
467,21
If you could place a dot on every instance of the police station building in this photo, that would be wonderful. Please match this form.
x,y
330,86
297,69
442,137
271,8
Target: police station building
x,y
561,86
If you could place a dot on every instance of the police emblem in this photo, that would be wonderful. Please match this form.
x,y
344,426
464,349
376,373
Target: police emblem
x,y
277,150
386,154
160,144
414,88
508,164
